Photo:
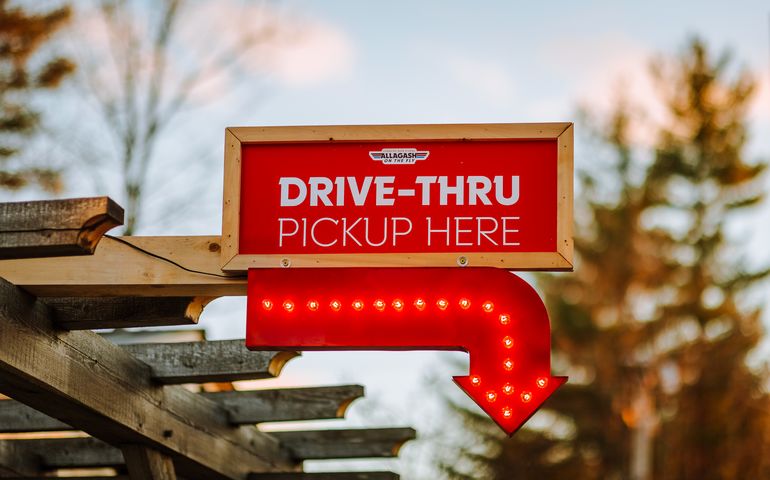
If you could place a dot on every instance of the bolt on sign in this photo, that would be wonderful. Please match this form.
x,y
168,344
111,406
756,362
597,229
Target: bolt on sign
x,y
462,197
402,195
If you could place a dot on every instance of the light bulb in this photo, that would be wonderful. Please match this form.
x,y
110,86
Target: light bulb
x,y
488,306
379,304
358,305
507,412
542,382
419,304
505,319
508,342
508,389
335,305
475,380
465,304
442,304
398,304
267,304
491,396
312,305
508,364
288,305
526,397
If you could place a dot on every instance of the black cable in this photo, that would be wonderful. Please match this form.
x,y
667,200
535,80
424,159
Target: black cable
x,y
159,257
129,244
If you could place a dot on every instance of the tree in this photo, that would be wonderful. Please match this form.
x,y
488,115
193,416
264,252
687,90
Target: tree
x,y
143,75
22,36
653,323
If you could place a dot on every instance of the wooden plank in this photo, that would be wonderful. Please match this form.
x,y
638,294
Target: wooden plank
x,y
208,361
15,417
85,381
116,269
467,131
354,443
89,452
243,407
79,313
564,186
325,476
56,227
145,463
286,404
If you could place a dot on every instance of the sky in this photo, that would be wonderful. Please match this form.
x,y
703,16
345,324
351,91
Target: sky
x,y
433,61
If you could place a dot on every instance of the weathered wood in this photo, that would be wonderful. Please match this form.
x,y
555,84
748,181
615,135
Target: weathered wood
x,y
15,417
353,443
96,386
78,313
325,476
51,228
147,464
243,407
210,361
88,452
286,404
117,270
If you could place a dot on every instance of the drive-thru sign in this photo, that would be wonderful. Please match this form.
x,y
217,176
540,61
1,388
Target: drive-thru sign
x,y
417,195
406,197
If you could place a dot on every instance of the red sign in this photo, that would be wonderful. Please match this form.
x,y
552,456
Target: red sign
x,y
479,195
492,314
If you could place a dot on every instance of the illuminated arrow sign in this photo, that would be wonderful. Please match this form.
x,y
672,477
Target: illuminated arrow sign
x,y
492,314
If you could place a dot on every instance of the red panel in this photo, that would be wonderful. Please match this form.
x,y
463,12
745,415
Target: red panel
x,y
528,225
490,313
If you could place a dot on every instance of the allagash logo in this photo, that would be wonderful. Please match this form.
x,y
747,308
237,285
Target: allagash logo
x,y
403,156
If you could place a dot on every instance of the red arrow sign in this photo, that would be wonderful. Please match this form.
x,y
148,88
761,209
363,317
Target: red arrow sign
x,y
492,314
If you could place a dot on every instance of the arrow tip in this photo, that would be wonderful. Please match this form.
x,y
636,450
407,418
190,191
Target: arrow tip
x,y
511,408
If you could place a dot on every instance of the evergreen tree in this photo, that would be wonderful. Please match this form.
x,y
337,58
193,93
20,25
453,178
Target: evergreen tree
x,y
652,323
22,35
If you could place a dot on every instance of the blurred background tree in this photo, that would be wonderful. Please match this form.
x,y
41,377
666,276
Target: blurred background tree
x,y
653,326
23,34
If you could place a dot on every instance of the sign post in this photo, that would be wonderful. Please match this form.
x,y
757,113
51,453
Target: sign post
x,y
302,205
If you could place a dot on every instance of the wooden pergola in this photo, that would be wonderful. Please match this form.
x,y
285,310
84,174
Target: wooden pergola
x,y
132,407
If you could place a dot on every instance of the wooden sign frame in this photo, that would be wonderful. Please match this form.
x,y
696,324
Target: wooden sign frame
x,y
559,260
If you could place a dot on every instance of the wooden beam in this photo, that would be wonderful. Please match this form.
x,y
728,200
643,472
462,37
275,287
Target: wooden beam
x,y
78,313
286,404
118,270
325,476
208,361
85,381
53,228
88,452
145,463
242,407
354,443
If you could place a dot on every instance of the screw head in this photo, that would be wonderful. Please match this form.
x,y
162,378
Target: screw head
x,y
285,262
462,261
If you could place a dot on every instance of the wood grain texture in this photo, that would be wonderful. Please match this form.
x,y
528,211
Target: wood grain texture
x,y
242,407
353,443
56,227
325,476
85,381
565,192
286,404
208,361
82,313
117,270
145,463
88,452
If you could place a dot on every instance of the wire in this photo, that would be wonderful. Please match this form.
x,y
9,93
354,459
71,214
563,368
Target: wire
x,y
128,244
168,260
